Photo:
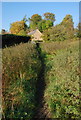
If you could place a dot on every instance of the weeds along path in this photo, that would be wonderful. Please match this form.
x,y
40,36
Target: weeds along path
x,y
41,108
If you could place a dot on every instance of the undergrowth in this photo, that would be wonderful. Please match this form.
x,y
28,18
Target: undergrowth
x,y
62,80
20,69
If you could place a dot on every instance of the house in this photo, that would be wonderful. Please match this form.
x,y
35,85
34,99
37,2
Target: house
x,y
36,35
3,31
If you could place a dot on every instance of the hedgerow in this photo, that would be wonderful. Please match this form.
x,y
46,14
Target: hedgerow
x,y
20,69
62,80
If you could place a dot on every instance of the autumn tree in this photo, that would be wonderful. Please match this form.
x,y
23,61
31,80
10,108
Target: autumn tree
x,y
34,20
18,26
69,24
49,16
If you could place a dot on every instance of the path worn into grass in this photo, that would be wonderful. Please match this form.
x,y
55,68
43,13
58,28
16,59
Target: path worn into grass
x,y
41,108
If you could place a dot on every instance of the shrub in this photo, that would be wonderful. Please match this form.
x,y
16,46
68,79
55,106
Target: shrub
x,y
10,39
57,33
62,81
20,70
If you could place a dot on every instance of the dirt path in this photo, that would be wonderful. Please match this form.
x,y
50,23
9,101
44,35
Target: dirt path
x,y
42,109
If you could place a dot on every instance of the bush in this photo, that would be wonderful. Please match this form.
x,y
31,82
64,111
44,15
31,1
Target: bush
x,y
20,70
10,39
62,81
57,33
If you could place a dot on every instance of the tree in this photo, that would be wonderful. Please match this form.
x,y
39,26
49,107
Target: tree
x,y
34,20
57,33
69,24
32,26
16,27
49,24
44,24
22,33
49,16
46,35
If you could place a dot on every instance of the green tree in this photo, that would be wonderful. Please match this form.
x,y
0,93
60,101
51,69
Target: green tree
x,y
49,24
22,33
49,16
61,32
46,35
44,24
34,20
57,33
32,26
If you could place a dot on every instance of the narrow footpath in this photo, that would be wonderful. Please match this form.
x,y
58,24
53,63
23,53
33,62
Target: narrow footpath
x,y
41,108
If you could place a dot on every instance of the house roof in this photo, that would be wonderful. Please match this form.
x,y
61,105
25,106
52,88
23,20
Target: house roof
x,y
32,32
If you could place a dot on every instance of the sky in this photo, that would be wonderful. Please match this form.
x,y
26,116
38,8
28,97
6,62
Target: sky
x,y
15,11
40,0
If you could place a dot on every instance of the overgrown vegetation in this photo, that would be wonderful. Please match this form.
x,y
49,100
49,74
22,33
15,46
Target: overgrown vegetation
x,y
20,69
62,79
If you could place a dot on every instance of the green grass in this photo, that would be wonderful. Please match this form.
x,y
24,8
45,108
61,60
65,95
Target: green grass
x,y
21,66
20,69
62,79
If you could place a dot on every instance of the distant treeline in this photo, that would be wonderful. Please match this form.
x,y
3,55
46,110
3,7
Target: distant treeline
x,y
10,39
